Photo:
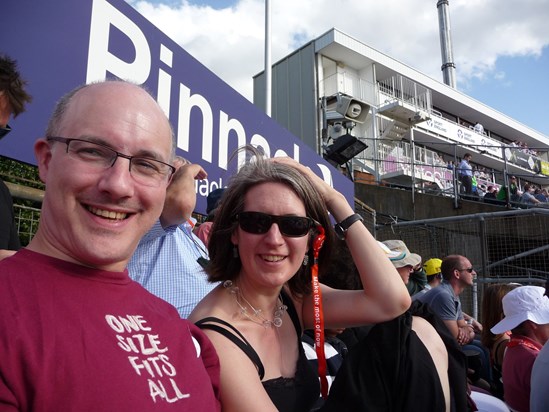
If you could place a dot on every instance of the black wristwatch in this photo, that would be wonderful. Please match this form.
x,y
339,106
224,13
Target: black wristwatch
x,y
342,227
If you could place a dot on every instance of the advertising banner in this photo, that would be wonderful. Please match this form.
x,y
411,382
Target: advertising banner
x,y
60,44
462,135
484,143
544,166
524,159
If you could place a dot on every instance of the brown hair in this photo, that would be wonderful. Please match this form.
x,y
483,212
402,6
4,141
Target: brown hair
x,y
449,263
258,170
13,86
492,311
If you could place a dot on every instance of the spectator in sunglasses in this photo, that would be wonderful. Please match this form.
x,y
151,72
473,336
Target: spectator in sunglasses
x,y
262,250
13,99
458,274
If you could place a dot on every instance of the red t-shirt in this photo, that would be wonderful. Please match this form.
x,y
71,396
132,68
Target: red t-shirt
x,y
73,338
518,360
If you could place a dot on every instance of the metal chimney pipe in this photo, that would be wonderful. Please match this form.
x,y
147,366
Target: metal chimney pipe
x,y
448,67
268,66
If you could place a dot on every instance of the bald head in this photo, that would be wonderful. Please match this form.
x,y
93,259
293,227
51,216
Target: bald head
x,y
108,96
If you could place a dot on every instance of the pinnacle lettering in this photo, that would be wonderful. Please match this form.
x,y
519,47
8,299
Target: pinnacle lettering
x,y
176,98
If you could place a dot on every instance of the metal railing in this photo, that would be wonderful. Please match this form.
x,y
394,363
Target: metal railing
x,y
402,88
424,170
507,246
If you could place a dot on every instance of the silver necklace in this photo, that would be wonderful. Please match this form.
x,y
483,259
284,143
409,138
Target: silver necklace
x,y
256,315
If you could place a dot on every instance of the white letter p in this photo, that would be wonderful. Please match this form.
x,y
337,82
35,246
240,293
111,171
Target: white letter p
x,y
100,60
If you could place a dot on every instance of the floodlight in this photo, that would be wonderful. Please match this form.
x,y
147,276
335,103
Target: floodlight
x,y
344,149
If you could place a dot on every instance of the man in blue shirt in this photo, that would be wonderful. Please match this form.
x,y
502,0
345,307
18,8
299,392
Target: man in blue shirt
x,y
528,195
169,260
465,171
458,274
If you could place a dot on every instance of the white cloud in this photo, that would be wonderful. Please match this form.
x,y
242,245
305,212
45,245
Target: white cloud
x,y
230,41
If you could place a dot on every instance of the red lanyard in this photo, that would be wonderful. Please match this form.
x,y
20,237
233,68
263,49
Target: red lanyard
x,y
319,314
523,341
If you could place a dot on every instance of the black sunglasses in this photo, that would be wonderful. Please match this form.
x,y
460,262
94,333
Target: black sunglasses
x,y
259,223
470,270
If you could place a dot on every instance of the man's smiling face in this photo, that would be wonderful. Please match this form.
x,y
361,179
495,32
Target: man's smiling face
x,y
97,217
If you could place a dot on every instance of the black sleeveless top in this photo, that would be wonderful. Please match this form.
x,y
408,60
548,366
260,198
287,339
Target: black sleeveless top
x,y
297,394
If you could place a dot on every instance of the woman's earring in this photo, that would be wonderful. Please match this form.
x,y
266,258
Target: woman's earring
x,y
235,252
306,260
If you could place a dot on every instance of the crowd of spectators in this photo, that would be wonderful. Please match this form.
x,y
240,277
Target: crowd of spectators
x,y
524,147
476,183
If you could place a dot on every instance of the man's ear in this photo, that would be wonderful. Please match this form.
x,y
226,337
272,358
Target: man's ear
x,y
42,152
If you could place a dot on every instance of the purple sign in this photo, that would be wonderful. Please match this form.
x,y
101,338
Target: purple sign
x,y
60,44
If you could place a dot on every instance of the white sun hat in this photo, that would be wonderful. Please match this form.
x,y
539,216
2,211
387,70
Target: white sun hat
x,y
391,254
400,255
523,303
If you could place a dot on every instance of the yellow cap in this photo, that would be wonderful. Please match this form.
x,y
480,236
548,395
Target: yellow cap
x,y
432,266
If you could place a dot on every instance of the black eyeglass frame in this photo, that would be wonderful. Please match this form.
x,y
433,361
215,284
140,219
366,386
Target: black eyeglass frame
x,y
67,141
243,219
469,270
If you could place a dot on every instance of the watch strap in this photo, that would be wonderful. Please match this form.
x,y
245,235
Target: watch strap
x,y
342,227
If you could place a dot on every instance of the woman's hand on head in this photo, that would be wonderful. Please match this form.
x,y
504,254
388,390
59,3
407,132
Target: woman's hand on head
x,y
331,196
323,187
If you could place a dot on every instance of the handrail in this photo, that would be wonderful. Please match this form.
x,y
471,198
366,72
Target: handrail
x,y
402,88
424,171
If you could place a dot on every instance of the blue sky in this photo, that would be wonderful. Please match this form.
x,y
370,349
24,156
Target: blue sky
x,y
501,53
522,93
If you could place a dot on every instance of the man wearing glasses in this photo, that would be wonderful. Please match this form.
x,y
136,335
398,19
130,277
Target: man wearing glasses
x,y
79,333
13,99
458,274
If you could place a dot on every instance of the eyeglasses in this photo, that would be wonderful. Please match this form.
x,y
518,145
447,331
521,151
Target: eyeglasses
x,y
4,130
259,223
470,270
146,171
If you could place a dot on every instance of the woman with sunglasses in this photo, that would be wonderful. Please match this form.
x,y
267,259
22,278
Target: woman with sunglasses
x,y
262,249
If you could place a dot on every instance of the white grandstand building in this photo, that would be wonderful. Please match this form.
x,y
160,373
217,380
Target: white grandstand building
x,y
335,91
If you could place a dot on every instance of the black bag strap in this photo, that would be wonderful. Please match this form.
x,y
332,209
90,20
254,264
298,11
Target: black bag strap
x,y
212,323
